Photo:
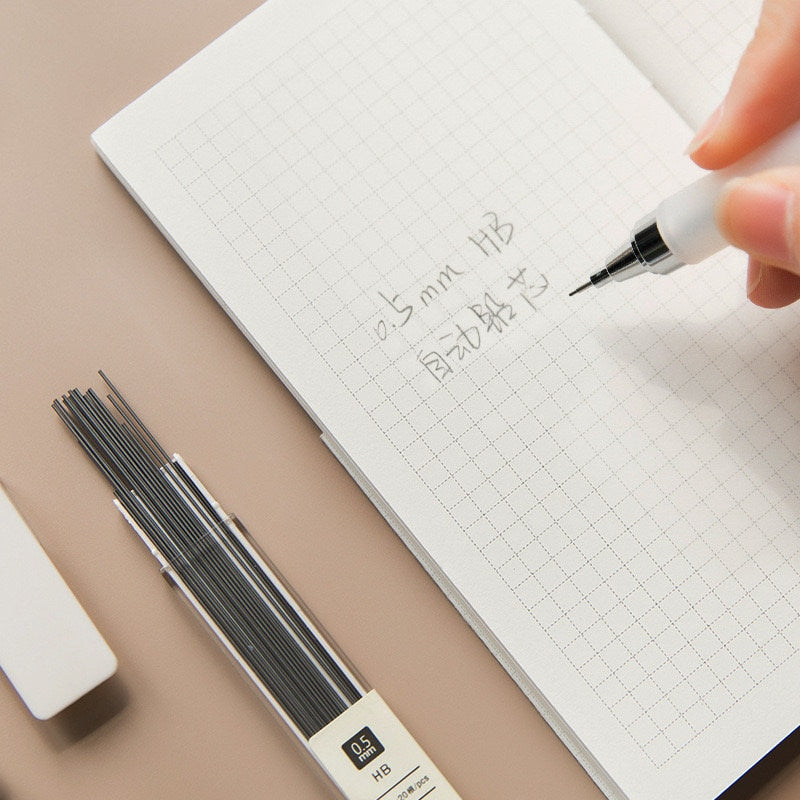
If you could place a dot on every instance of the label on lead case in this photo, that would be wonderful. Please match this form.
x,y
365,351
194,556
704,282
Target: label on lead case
x,y
371,756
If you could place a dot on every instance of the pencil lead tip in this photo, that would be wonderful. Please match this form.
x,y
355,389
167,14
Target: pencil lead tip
x,y
580,288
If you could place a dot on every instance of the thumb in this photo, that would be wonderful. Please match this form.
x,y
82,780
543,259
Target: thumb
x,y
763,98
761,215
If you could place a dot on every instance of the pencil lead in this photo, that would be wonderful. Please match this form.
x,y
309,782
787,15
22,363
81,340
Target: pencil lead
x,y
580,288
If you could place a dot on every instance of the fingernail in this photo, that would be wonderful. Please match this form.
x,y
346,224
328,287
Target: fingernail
x,y
754,216
754,273
705,131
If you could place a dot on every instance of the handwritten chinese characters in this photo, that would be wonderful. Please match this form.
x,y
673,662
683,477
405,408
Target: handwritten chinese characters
x,y
491,316
494,308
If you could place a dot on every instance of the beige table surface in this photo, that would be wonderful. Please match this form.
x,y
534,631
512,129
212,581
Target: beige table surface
x,y
86,282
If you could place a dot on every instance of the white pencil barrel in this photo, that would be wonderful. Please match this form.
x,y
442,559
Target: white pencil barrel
x,y
687,219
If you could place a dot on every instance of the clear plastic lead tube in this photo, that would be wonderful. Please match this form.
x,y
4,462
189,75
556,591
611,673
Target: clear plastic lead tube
x,y
204,553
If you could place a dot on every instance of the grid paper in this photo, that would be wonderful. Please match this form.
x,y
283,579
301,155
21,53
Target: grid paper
x,y
711,35
413,189
669,629
688,48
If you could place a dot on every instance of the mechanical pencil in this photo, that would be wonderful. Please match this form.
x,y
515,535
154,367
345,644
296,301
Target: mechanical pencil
x,y
683,228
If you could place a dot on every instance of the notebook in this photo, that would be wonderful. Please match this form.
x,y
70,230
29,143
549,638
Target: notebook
x,y
392,200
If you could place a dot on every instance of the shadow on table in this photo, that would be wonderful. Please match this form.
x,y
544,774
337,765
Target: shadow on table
x,y
85,716
777,760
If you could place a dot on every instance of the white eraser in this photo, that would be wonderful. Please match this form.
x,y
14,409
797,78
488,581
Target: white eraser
x,y
49,648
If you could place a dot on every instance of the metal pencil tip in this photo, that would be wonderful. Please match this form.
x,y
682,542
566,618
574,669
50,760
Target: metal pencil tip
x,y
581,288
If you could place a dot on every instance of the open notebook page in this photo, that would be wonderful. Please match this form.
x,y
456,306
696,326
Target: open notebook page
x,y
393,199
688,48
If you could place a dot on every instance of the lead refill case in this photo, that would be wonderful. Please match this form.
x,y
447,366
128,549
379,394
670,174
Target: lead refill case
x,y
341,723
364,750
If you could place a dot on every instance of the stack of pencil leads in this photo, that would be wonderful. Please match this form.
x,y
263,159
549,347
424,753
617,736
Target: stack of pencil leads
x,y
206,554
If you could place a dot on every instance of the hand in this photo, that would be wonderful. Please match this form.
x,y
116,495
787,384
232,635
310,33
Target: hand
x,y
761,213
